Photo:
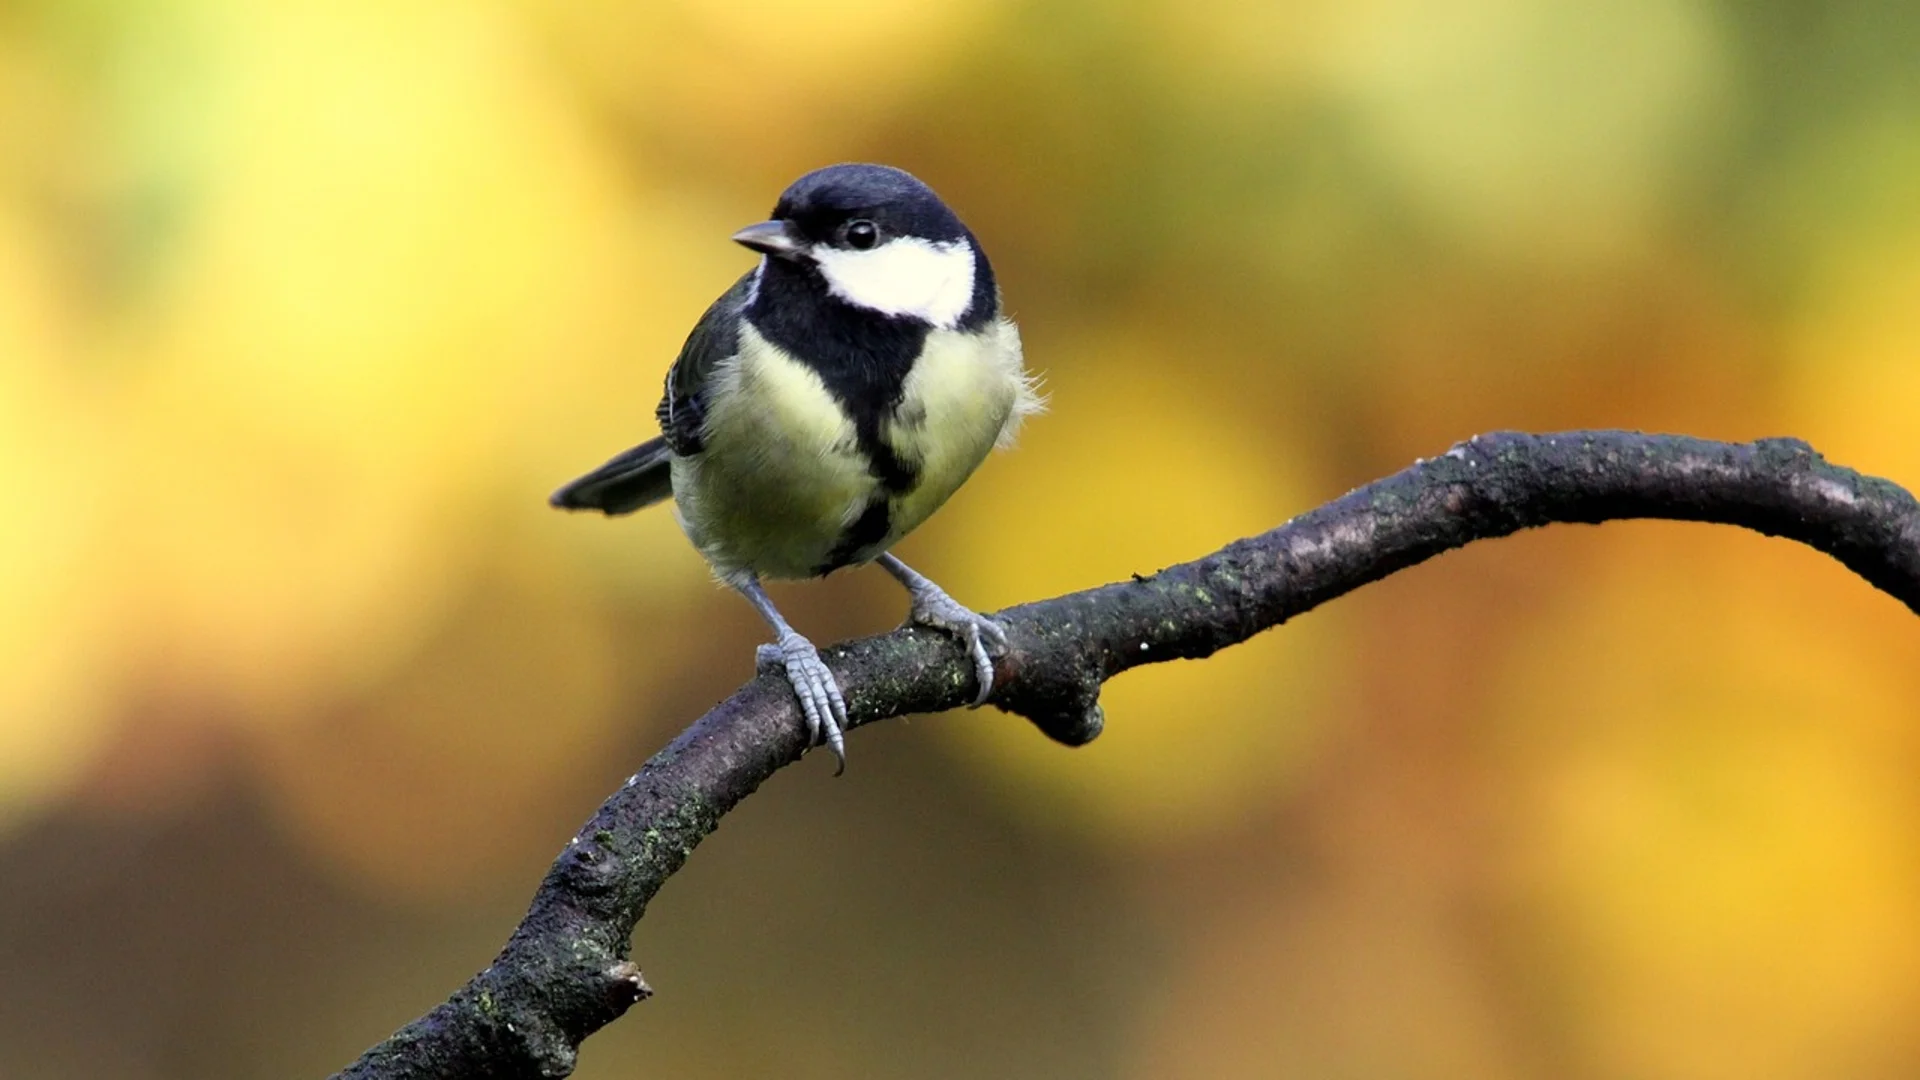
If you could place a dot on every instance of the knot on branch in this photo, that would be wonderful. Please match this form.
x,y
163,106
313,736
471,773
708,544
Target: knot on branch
x,y
1056,688
625,986
590,866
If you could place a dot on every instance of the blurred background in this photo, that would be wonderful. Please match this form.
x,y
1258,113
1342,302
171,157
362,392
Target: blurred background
x,y
305,307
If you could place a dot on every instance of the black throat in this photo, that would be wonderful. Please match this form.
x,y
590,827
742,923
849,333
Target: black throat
x,y
862,356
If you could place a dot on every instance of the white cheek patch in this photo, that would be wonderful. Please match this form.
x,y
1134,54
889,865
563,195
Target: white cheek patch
x,y
906,276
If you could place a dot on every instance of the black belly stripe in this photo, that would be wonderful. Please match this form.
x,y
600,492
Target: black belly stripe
x,y
895,475
866,531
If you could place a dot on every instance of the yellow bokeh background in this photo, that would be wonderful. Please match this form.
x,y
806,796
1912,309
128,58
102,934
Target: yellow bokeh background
x,y
304,307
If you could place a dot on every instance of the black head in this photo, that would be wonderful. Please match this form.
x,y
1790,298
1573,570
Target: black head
x,y
825,202
876,239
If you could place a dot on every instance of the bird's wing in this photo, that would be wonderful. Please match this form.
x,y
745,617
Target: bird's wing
x,y
682,411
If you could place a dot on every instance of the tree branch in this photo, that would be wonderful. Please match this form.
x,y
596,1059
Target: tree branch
x,y
565,972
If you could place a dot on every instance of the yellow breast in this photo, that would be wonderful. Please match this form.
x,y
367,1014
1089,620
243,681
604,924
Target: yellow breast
x,y
781,478
965,395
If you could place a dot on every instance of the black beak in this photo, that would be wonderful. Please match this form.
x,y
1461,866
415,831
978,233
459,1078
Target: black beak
x,y
777,238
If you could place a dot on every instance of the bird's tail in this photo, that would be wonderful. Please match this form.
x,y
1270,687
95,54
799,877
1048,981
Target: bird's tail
x,y
637,478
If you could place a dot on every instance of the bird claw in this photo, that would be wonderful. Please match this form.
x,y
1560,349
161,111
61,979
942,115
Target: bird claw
x,y
984,637
813,683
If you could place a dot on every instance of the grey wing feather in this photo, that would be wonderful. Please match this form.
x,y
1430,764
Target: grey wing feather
x,y
682,411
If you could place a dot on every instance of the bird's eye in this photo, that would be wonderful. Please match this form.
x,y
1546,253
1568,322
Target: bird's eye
x,y
862,234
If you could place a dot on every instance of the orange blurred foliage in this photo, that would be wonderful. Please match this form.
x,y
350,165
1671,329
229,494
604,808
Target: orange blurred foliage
x,y
304,307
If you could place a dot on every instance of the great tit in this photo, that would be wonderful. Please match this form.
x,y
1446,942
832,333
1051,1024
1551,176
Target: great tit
x,y
827,404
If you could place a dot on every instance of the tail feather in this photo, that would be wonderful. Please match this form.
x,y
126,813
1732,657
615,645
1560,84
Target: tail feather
x,y
637,478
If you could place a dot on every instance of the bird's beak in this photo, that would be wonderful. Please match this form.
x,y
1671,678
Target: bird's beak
x,y
777,238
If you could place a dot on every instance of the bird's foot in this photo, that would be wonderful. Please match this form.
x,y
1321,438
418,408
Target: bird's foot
x,y
814,685
984,638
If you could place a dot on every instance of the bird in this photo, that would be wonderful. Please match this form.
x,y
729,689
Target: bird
x,y
827,404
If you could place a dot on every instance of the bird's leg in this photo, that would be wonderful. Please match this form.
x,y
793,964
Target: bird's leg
x,y
813,684
931,606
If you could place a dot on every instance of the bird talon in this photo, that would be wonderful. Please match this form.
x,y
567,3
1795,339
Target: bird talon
x,y
995,635
982,662
932,607
821,702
